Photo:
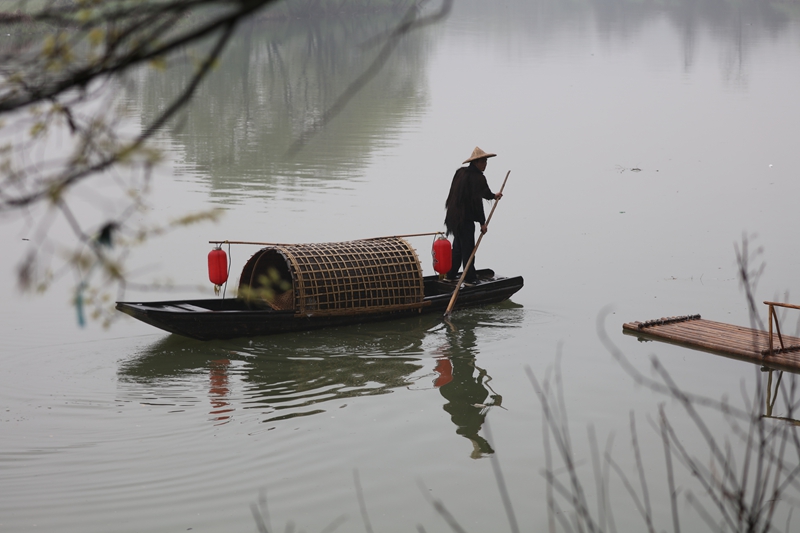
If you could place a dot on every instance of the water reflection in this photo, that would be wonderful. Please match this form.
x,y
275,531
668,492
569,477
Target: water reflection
x,y
465,386
279,76
739,24
277,378
275,79
773,387
735,28
295,375
219,391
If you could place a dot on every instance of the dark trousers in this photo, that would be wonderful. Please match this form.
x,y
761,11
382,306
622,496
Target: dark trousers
x,y
463,244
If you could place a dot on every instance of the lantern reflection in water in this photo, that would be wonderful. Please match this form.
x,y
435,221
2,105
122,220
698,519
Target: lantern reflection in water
x,y
218,391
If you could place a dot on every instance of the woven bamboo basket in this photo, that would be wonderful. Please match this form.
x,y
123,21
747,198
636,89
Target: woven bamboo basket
x,y
343,278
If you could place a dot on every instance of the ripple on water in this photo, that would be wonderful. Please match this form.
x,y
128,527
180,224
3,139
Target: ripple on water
x,y
162,430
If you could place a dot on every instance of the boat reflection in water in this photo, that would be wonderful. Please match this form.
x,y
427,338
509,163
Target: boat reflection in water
x,y
282,377
276,378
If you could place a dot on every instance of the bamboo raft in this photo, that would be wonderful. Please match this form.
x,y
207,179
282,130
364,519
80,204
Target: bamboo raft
x,y
765,348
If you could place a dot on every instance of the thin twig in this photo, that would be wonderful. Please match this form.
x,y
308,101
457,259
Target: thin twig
x,y
560,433
361,503
598,479
673,496
442,510
640,468
630,489
501,484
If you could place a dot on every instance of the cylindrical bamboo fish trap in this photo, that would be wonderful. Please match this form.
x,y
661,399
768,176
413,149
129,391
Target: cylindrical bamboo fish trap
x,y
342,278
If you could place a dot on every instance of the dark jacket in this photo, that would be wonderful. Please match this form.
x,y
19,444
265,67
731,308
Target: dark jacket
x,y
465,202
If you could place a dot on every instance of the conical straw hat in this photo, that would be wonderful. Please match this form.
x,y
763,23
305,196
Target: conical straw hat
x,y
477,153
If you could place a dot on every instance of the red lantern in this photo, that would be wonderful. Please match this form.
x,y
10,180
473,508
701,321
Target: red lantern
x,y
217,266
442,255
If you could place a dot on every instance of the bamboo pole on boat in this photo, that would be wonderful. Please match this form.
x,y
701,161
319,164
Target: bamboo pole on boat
x,y
405,236
367,239
472,255
254,243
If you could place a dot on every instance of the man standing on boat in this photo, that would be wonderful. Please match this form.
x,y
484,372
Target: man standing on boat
x,y
465,207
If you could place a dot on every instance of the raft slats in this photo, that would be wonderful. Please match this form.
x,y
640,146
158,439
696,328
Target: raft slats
x,y
722,339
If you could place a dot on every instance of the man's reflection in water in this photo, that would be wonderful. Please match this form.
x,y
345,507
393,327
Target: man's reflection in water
x,y
465,387
218,391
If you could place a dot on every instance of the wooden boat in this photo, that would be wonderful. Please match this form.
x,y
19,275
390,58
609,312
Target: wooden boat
x,y
287,288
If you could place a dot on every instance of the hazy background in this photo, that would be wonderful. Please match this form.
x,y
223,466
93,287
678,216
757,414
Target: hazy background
x,y
644,139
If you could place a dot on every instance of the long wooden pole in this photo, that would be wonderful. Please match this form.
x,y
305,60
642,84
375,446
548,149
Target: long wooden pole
x,y
249,242
286,244
472,255
405,236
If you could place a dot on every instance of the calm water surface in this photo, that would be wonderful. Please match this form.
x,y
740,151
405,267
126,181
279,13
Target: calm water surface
x,y
643,143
